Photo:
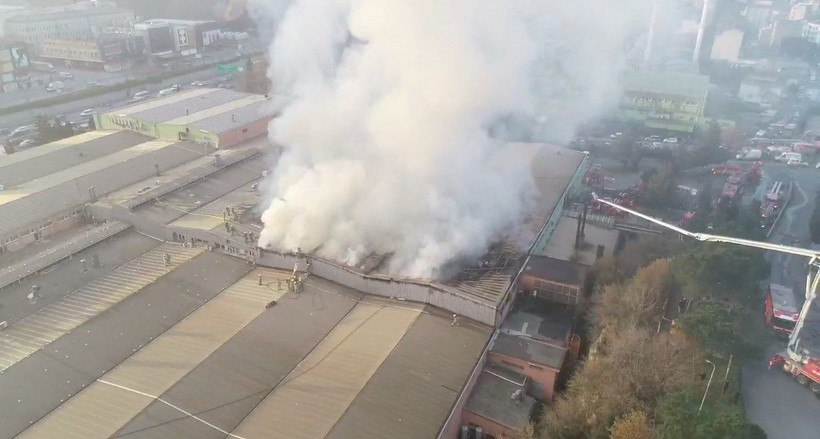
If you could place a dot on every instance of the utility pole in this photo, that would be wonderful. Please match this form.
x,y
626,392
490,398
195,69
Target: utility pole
x,y
709,384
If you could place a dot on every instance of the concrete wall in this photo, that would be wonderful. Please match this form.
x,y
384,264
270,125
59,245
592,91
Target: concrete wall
x,y
172,132
537,373
385,286
114,122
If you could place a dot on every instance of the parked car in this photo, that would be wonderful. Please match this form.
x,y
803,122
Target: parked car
x,y
175,87
140,95
23,130
165,92
88,112
671,140
65,75
54,86
797,163
27,143
197,84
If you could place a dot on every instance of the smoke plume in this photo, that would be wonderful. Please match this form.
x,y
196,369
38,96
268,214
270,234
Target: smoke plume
x,y
395,116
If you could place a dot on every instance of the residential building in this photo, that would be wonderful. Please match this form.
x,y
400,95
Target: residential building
x,y
778,30
663,100
6,12
811,31
727,45
758,13
803,10
69,24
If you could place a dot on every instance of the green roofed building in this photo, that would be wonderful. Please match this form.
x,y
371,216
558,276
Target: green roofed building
x,y
663,100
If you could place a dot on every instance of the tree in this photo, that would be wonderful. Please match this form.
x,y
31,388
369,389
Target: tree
x,y
716,326
677,417
721,271
638,303
634,370
635,425
660,187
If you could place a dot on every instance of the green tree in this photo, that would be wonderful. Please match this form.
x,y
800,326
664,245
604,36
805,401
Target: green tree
x,y
721,271
677,417
716,326
660,187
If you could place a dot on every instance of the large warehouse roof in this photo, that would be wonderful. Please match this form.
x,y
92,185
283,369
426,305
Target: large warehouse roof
x,y
187,106
36,200
52,157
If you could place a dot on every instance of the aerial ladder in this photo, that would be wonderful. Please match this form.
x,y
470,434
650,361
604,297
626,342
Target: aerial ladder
x,y
797,359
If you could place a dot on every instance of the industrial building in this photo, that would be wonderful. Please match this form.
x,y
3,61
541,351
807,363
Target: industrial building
x,y
663,100
218,117
157,264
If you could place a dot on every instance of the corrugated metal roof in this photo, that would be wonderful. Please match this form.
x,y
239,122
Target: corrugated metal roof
x,y
160,102
227,107
189,104
40,199
107,405
412,392
309,401
530,350
492,399
242,116
64,154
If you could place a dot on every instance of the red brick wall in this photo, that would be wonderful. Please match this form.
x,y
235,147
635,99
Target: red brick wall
x,y
490,427
538,373
239,135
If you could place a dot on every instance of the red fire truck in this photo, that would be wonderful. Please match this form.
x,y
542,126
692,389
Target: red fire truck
x,y
781,309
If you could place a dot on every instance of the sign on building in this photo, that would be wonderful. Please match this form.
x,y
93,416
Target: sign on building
x,y
228,68
182,36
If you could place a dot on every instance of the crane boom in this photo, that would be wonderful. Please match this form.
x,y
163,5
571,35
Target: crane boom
x,y
812,280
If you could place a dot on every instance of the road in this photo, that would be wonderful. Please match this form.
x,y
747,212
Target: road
x,y
73,108
83,78
773,400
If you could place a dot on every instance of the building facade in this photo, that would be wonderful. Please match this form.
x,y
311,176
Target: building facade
x,y
73,24
811,32
14,65
664,100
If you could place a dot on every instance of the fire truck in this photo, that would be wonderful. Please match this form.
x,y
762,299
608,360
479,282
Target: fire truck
x,y
781,309
801,356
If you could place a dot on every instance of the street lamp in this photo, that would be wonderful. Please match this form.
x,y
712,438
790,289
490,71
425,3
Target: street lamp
x,y
706,392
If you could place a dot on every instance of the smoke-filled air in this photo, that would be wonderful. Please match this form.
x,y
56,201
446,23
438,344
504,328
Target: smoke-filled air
x,y
396,116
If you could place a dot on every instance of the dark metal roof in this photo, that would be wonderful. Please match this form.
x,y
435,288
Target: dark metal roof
x,y
412,392
556,270
235,118
530,350
173,110
492,398
66,157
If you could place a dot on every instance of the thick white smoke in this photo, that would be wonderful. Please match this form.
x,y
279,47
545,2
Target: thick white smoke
x,y
391,113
